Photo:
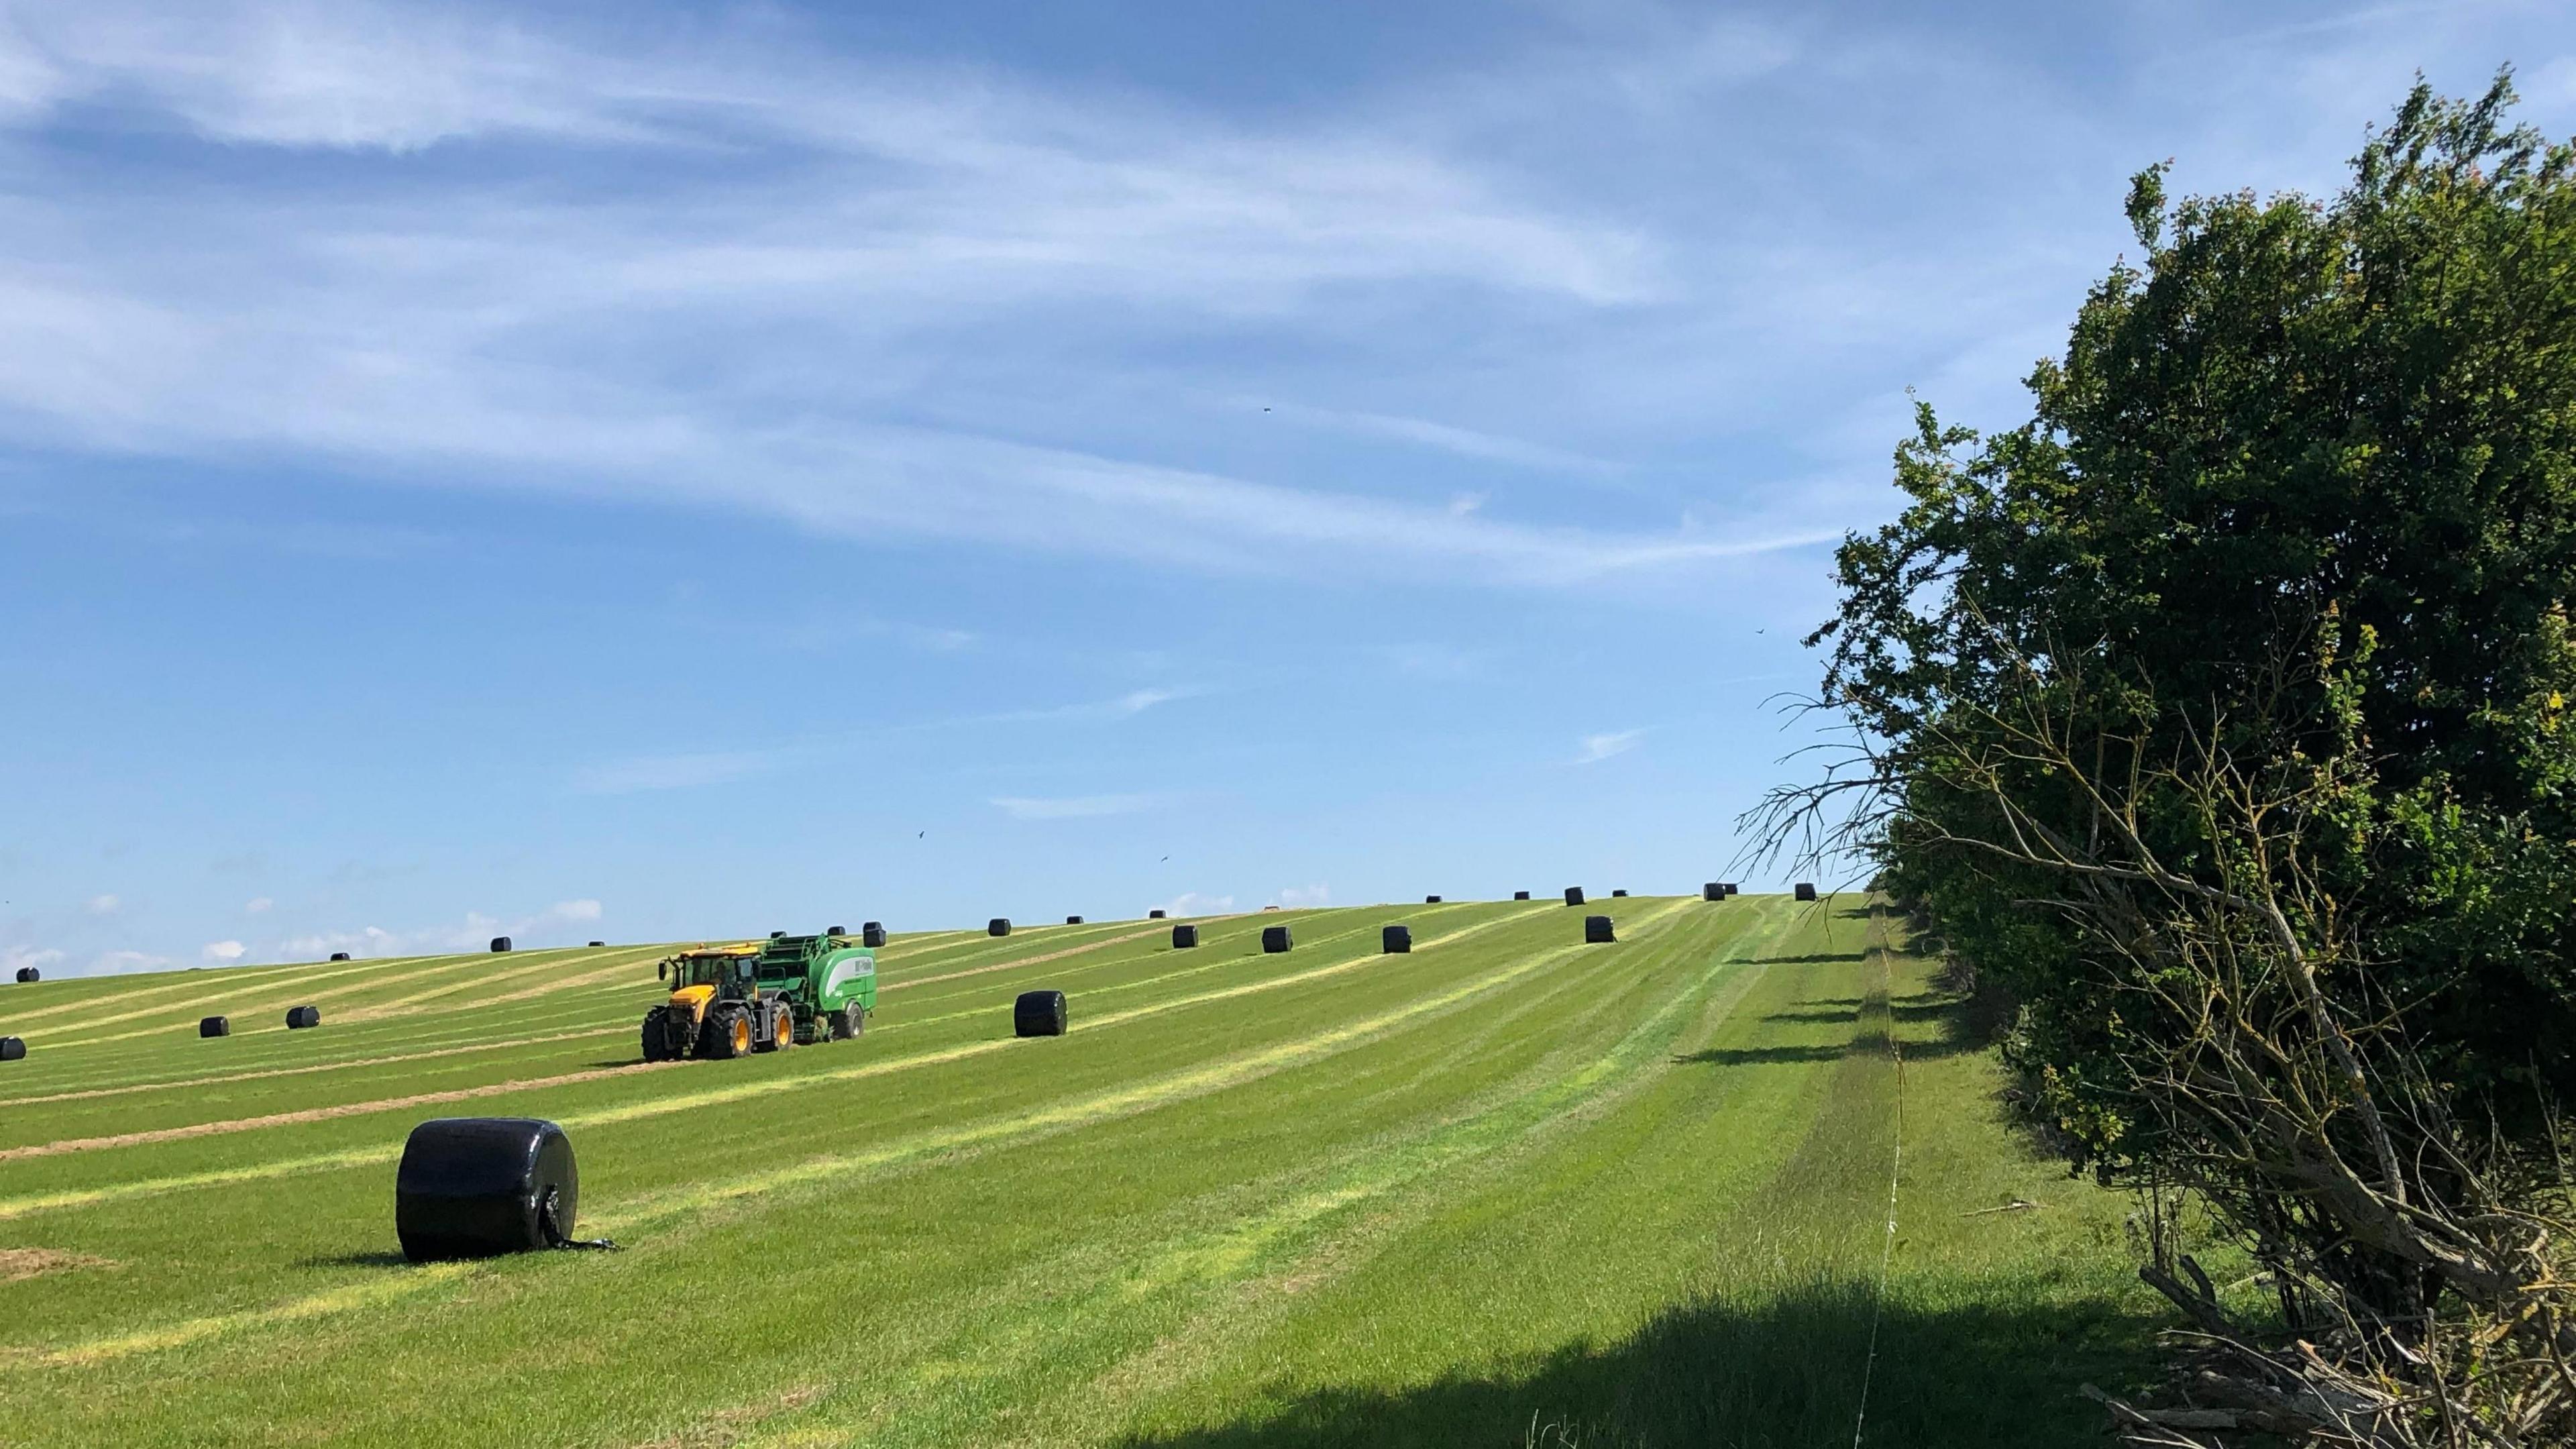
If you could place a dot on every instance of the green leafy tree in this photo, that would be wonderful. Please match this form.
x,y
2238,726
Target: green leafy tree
x,y
2221,713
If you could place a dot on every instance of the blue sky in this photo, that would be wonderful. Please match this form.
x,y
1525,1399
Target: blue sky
x,y
648,472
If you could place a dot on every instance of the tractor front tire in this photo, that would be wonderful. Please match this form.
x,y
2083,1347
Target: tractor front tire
x,y
657,1034
776,1032
728,1033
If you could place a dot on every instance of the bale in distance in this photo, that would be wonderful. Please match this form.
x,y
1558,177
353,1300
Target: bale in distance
x,y
1712,892
300,1017
872,934
476,1187
603,943
1520,895
339,955
1038,1013
1596,931
998,926
1184,936
500,944
1618,895
1073,920
1731,889
1574,895
1431,900
12,1049
1274,939
1153,915
29,973
214,1026
1396,941
1806,890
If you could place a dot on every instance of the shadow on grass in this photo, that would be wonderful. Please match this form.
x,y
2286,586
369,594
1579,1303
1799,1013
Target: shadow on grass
x,y
1805,960
1755,1056
1786,1374
357,1260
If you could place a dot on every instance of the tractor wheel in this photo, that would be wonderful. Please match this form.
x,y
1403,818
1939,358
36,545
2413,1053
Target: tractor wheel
x,y
657,1034
777,1031
728,1032
848,1022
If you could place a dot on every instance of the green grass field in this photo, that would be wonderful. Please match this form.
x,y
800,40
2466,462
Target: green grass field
x,y
1507,1190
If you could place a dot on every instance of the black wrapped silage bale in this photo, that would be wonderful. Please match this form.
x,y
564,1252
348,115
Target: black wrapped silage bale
x,y
1431,900
1596,931
872,934
1731,889
215,1026
12,1049
1153,915
476,1187
500,944
1395,940
300,1017
1806,890
603,943
1574,895
1618,895
998,926
1520,895
1038,1013
1073,920
29,973
339,955
1274,939
1712,892
1184,936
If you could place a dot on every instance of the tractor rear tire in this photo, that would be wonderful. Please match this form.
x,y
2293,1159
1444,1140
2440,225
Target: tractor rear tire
x,y
780,1033
657,1034
728,1032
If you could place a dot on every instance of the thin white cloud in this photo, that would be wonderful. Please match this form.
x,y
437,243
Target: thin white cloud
x,y
226,952
259,905
100,905
1075,807
581,910
1597,748
1192,903
1304,898
14,958
674,772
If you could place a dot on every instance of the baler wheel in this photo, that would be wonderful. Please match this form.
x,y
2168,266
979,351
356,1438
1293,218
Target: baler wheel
x,y
849,1021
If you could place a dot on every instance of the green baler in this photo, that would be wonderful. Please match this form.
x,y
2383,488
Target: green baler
x,y
761,996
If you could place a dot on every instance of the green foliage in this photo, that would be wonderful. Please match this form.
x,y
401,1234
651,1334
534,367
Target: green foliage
x,y
2302,494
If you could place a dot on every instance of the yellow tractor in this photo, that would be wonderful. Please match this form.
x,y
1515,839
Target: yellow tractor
x,y
759,996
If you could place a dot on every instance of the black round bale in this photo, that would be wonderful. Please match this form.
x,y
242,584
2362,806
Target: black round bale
x,y
1073,920
1596,931
1038,1013
1731,889
1395,940
603,943
1574,895
477,1187
1520,895
998,926
339,955
1184,936
215,1026
1431,900
1712,892
1274,939
500,944
29,973
300,1017
1153,915
12,1049
1616,895
872,934
1806,890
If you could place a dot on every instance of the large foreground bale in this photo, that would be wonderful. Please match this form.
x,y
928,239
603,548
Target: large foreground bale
x,y
30,973
1274,939
300,1017
1396,940
339,955
1574,895
872,934
1038,1013
474,1187
1184,936
1596,931
12,1049
998,926
500,944
1806,890
1520,895
215,1026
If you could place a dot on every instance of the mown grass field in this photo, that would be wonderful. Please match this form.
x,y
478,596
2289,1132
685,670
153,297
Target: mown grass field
x,y
1507,1190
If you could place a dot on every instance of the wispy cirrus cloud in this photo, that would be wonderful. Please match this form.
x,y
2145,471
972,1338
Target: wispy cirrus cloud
x,y
1075,807
1597,748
